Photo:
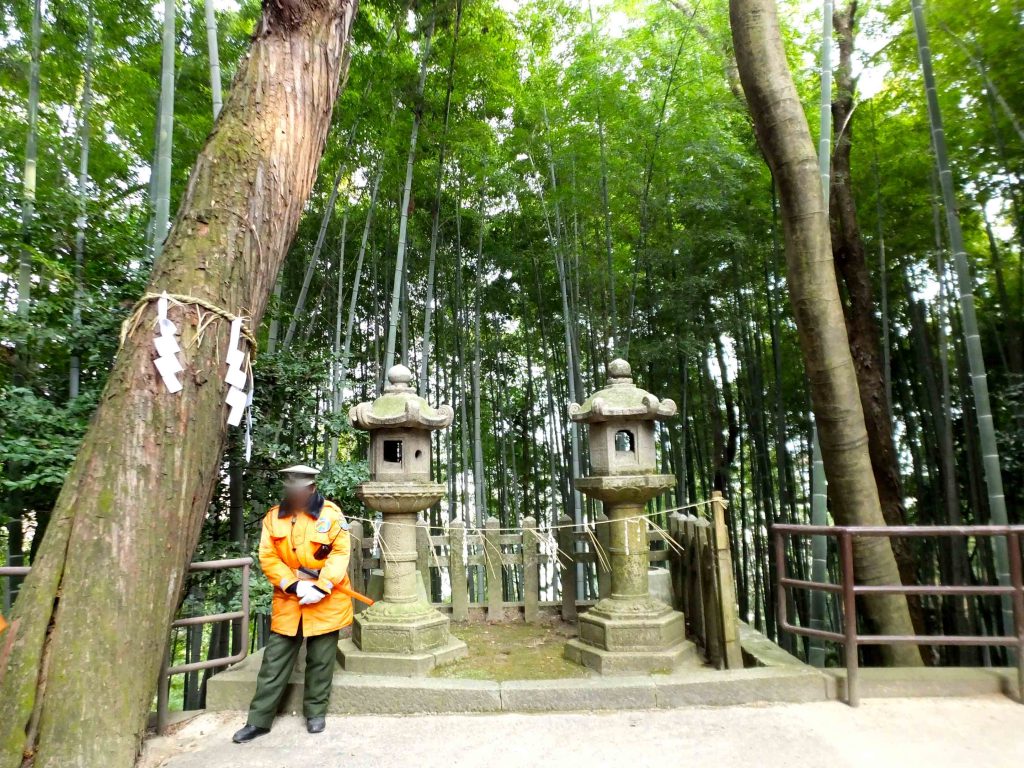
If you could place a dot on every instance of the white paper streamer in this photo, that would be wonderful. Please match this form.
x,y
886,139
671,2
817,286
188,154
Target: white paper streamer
x,y
167,363
237,379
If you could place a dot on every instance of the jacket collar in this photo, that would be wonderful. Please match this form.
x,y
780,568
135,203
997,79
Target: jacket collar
x,y
313,509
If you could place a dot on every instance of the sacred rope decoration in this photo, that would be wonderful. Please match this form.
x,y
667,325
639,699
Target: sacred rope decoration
x,y
238,377
545,536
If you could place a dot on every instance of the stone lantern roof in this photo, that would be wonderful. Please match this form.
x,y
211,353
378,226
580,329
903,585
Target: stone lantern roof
x,y
621,399
400,407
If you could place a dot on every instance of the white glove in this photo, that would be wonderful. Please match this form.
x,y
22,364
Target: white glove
x,y
312,596
302,589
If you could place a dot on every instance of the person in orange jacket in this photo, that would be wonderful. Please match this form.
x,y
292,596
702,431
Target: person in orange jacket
x,y
304,553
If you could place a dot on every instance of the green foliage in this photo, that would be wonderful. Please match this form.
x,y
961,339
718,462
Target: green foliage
x,y
38,440
553,111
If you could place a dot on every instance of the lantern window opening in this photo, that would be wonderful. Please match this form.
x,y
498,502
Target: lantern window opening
x,y
625,442
393,451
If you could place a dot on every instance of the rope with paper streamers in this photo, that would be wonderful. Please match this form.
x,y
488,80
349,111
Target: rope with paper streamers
x,y
239,377
131,323
557,526
547,543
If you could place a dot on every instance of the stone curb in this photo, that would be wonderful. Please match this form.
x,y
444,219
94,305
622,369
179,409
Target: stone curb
x,y
379,694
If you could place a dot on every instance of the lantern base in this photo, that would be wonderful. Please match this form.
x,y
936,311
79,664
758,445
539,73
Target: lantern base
x,y
416,664
684,654
403,639
631,635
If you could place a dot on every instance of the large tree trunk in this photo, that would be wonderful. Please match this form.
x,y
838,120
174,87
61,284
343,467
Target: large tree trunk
x,y
108,577
785,140
861,325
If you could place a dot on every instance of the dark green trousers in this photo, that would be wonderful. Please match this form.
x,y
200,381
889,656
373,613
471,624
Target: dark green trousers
x,y
278,661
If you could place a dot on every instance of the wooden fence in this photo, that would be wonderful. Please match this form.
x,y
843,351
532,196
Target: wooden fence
x,y
504,573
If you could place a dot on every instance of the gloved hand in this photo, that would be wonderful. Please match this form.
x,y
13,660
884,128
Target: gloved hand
x,y
312,596
302,589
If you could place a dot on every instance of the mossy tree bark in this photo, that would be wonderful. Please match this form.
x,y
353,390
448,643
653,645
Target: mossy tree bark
x,y
91,624
784,137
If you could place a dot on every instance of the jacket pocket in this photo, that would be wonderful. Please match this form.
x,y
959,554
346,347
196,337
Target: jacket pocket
x,y
321,545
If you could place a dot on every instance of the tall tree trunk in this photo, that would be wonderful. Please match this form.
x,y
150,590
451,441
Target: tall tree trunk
x,y
555,236
165,122
28,182
354,298
859,309
613,312
972,338
819,480
84,130
435,223
214,55
640,259
785,140
403,221
15,528
336,383
479,479
129,515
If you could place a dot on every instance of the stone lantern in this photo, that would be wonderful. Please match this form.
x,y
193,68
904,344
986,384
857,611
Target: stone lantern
x,y
628,630
400,634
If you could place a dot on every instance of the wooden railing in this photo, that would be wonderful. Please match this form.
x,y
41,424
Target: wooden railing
x,y
505,573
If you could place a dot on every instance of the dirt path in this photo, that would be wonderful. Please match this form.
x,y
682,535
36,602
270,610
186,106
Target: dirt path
x,y
985,731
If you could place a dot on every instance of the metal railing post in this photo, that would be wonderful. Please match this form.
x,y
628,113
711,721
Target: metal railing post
x,y
1016,579
849,618
162,697
780,574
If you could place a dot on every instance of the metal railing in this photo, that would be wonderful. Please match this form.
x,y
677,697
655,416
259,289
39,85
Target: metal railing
x,y
164,682
848,589
166,672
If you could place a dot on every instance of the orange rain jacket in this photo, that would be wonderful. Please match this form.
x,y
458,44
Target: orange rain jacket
x,y
293,540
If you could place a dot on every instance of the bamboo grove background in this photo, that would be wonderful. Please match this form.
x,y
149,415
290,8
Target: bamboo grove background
x,y
513,194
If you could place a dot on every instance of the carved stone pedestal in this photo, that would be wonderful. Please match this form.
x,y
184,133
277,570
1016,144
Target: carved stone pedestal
x,y
629,631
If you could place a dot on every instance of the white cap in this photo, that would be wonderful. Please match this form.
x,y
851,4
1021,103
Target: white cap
x,y
299,476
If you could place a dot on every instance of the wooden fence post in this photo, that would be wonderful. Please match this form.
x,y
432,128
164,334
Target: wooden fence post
x,y
694,592
423,555
531,577
567,556
492,560
355,562
677,562
457,570
604,576
732,654
709,596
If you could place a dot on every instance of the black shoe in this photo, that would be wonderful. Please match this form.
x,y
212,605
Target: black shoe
x,y
248,733
316,724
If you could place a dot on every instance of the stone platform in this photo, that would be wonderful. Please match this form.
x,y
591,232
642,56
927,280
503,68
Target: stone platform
x,y
772,677
385,694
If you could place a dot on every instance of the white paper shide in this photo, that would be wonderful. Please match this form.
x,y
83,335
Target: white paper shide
x,y
167,363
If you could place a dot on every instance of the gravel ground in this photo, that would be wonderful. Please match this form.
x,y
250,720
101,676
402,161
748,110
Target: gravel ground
x,y
980,731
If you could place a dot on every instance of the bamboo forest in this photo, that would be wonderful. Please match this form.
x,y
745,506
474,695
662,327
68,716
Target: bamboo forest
x,y
233,233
